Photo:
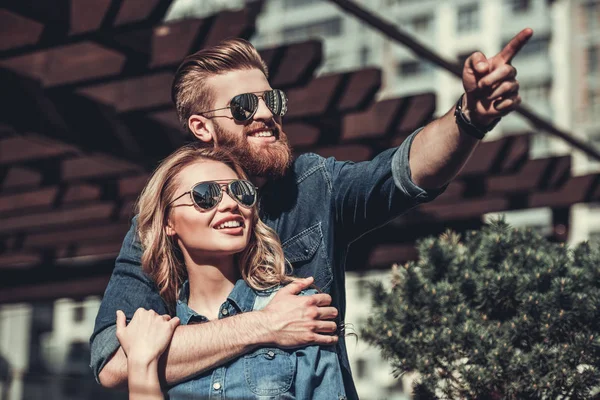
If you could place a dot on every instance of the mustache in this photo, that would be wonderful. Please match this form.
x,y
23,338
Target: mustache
x,y
262,126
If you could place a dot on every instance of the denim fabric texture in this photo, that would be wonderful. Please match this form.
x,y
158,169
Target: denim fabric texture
x,y
311,372
318,209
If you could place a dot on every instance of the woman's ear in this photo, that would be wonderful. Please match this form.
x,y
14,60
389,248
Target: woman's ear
x,y
169,229
201,127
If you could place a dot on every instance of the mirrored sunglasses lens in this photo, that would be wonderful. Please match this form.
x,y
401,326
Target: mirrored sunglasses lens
x,y
206,195
243,106
276,102
244,192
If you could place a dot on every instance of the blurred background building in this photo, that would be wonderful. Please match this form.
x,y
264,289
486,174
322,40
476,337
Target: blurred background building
x,y
45,343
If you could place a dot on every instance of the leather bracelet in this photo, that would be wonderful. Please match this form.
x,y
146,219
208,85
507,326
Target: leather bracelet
x,y
467,126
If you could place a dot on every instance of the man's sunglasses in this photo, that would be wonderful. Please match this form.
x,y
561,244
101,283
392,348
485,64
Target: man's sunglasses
x,y
244,106
206,195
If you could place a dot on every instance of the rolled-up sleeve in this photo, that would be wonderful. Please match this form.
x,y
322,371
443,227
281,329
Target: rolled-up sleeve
x,y
103,346
402,174
129,288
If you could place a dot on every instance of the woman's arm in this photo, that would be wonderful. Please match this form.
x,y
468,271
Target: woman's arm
x,y
144,340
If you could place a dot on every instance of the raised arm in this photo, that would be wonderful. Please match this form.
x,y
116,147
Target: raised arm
x,y
144,339
442,148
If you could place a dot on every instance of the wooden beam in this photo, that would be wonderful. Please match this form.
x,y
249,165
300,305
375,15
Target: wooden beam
x,y
418,112
297,64
350,152
535,175
361,89
53,290
148,91
19,261
580,189
67,64
61,217
95,166
70,237
313,99
78,193
23,148
229,24
130,187
172,42
375,122
40,198
301,134
135,11
17,30
20,178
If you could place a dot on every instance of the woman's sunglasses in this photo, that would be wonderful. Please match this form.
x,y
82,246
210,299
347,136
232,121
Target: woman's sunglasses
x,y
206,195
244,106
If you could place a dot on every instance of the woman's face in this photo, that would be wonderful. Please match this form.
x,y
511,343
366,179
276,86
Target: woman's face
x,y
202,233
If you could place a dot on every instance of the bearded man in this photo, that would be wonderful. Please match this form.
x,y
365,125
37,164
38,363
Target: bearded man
x,y
317,206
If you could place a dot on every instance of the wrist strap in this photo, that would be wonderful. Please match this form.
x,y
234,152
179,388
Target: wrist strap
x,y
467,126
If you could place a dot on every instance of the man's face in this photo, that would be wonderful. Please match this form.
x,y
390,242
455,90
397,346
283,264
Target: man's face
x,y
259,144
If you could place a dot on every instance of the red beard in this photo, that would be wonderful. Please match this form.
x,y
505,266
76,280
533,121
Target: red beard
x,y
271,161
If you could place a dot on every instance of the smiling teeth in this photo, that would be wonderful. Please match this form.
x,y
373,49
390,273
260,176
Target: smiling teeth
x,y
229,224
263,134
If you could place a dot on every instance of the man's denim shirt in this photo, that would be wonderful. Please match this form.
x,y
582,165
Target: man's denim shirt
x,y
318,209
311,372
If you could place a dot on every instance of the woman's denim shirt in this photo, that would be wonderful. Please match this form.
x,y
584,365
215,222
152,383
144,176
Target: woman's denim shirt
x,y
311,372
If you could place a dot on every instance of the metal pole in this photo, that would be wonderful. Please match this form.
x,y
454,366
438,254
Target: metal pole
x,y
396,34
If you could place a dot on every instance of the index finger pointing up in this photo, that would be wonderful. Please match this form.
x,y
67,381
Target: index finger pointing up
x,y
515,45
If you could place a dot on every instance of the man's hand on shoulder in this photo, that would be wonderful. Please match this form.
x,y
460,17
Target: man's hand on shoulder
x,y
295,321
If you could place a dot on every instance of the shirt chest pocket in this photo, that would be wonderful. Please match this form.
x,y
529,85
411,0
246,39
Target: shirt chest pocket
x,y
269,371
308,257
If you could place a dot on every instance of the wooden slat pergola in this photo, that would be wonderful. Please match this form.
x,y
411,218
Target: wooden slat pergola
x,y
87,114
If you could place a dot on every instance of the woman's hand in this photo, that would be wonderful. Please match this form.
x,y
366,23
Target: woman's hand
x,y
146,336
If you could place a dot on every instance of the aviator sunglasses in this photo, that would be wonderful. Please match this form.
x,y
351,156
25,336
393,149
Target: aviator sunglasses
x,y
206,195
244,106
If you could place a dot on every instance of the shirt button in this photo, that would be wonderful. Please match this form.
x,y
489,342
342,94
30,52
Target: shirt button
x,y
216,386
270,354
224,311
306,251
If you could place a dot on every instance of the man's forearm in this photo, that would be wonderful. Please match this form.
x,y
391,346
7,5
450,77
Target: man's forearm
x,y
197,348
439,152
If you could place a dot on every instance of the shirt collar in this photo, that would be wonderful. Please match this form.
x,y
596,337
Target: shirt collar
x,y
242,297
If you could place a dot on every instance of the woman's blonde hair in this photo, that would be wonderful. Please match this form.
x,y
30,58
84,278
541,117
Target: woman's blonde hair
x,y
262,263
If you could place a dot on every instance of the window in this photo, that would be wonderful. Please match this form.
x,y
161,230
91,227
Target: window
x,y
594,140
414,68
535,93
287,4
592,59
78,313
593,103
519,6
361,368
365,53
329,27
591,11
422,23
535,46
468,18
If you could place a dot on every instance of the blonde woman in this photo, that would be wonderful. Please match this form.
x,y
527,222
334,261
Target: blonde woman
x,y
211,258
